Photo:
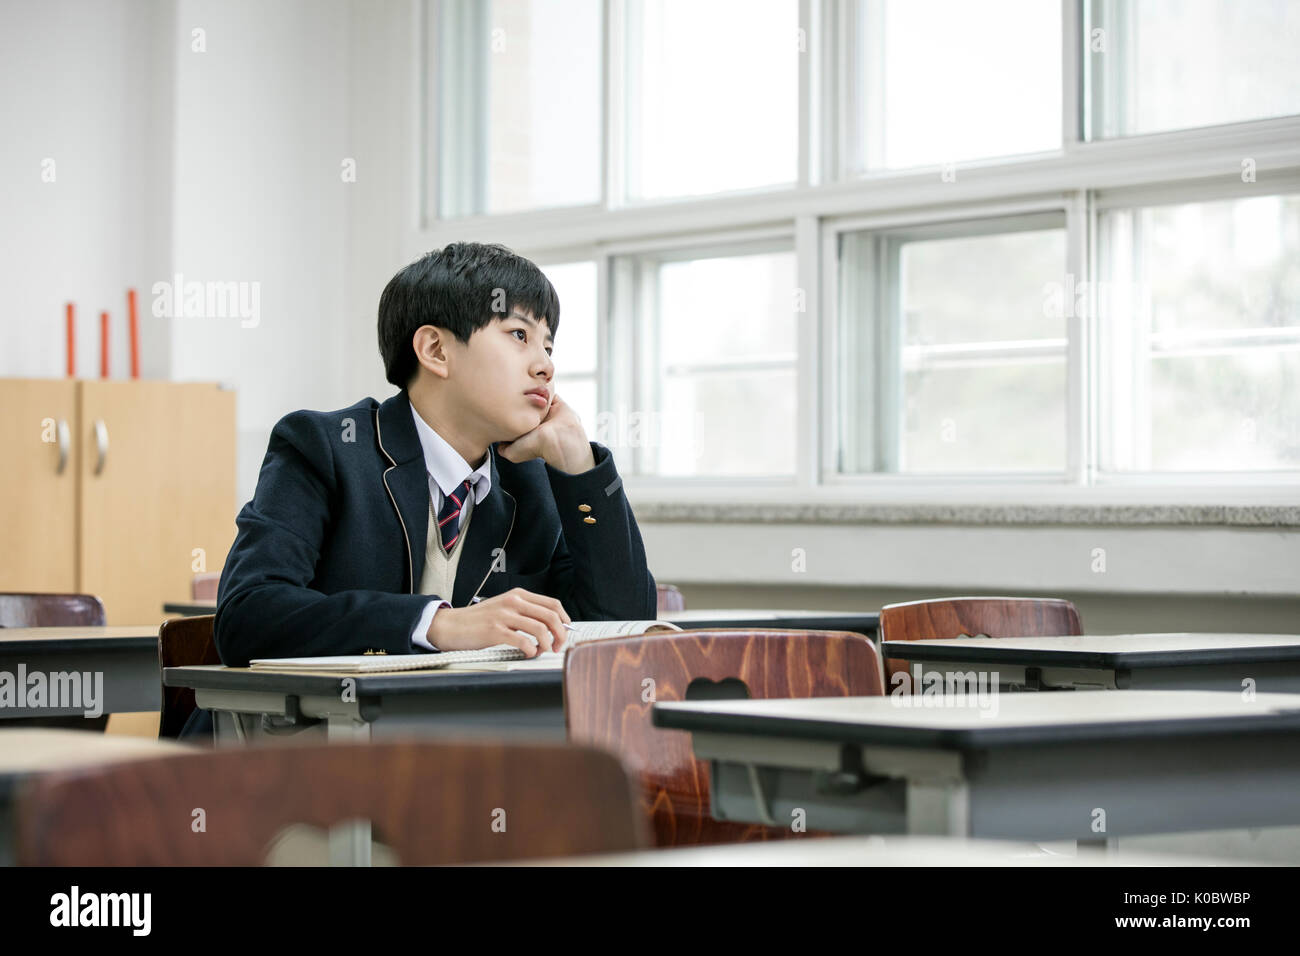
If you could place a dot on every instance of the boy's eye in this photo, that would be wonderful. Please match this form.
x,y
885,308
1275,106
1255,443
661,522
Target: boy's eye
x,y
524,333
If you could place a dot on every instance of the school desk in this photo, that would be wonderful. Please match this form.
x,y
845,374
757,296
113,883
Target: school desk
x,y
855,622
123,661
25,751
1087,766
532,702
248,702
1230,662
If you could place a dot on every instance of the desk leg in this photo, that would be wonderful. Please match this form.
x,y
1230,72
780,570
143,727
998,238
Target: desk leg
x,y
229,729
938,809
349,842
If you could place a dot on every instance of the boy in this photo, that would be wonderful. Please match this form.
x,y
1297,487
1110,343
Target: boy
x,y
469,509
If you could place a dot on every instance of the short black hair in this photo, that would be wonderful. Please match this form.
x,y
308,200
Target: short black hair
x,y
461,288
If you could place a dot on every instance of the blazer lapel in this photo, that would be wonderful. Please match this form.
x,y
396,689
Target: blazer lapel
x,y
407,479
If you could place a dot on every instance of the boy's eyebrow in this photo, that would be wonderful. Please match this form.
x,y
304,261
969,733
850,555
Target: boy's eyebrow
x,y
531,321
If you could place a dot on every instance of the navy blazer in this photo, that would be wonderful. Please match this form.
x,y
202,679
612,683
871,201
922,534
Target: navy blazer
x,y
330,551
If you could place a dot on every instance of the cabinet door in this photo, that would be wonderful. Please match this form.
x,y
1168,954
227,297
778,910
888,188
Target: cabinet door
x,y
157,491
198,497
38,494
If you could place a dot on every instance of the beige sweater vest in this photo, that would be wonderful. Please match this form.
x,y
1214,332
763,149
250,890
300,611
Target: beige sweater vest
x,y
439,576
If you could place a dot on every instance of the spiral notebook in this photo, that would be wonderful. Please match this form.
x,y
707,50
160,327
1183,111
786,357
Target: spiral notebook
x,y
498,657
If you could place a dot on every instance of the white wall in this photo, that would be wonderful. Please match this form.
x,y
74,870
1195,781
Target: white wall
x,y
382,211
1067,561
261,129
223,166
89,85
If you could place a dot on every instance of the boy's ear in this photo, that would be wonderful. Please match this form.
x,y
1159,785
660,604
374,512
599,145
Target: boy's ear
x,y
430,344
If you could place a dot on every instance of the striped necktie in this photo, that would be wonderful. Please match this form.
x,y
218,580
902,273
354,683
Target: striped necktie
x,y
449,515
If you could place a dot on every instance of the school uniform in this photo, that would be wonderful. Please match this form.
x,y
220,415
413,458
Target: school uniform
x,y
340,552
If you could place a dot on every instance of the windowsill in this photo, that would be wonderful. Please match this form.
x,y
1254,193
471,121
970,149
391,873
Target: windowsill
x,y
1244,515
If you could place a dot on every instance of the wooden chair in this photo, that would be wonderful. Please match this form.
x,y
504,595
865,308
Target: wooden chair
x,y
945,618
21,609
431,802
607,703
31,609
183,641
669,598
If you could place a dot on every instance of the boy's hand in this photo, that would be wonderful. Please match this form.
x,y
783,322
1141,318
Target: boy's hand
x,y
496,620
560,439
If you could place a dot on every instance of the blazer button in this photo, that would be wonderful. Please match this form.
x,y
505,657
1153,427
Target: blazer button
x,y
589,520
584,508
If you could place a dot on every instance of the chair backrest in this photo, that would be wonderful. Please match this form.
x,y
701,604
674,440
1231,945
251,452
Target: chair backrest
x,y
669,598
183,641
203,587
431,802
24,609
944,618
610,686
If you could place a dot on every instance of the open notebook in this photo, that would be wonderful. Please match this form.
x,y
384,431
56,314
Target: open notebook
x,y
498,657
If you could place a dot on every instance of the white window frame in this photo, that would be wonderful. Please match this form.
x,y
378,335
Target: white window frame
x,y
1076,394
1073,178
564,257
638,371
427,15
1140,197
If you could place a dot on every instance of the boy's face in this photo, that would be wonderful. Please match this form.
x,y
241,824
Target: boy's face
x,y
495,371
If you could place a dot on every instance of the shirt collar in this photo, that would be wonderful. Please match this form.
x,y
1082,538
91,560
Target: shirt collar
x,y
446,467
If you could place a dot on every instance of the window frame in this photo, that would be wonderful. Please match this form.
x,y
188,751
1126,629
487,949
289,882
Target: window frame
x,y
1152,196
886,376
637,375
1079,178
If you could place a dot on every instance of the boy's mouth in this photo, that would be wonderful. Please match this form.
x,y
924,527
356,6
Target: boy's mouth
x,y
539,397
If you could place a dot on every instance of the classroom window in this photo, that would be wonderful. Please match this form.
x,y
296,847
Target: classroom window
x,y
939,81
952,348
1200,313
517,104
576,346
1156,65
711,96
712,341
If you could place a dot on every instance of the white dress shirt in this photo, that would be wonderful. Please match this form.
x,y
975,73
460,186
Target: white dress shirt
x,y
446,470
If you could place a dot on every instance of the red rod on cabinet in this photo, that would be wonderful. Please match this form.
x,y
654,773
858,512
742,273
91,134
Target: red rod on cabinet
x,y
134,320
103,345
70,312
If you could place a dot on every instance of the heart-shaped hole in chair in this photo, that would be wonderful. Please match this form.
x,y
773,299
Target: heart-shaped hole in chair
x,y
729,688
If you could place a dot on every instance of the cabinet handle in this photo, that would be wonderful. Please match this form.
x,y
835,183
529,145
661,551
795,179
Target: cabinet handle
x,y
101,444
65,443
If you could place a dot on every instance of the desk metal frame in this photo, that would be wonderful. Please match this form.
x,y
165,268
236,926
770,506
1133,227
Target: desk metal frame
x,y
1049,786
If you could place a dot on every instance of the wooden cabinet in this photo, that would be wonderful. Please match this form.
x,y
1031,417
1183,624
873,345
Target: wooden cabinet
x,y
121,489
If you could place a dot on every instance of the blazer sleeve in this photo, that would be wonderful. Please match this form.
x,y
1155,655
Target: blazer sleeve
x,y
265,605
599,570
